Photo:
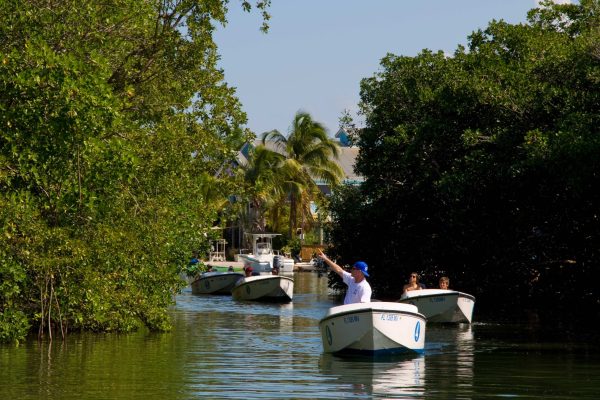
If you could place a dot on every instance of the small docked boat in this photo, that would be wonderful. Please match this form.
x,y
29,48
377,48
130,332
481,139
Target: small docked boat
x,y
263,258
376,328
215,282
275,288
440,305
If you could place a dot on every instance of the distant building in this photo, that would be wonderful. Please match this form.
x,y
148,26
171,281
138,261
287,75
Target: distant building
x,y
347,136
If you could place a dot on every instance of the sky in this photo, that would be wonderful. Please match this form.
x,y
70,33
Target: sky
x,y
317,51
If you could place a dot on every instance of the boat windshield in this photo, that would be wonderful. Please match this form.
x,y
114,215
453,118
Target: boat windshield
x,y
263,248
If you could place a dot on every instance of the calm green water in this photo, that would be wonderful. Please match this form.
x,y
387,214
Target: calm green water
x,y
223,349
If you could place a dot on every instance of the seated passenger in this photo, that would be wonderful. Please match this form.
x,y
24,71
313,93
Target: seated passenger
x,y
247,273
413,283
445,283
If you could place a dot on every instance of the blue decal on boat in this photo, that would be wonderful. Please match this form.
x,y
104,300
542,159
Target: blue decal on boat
x,y
328,334
417,331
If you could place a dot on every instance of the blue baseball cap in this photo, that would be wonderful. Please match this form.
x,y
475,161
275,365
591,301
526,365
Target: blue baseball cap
x,y
362,267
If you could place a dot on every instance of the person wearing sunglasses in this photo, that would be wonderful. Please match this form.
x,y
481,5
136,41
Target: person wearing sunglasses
x,y
359,290
413,283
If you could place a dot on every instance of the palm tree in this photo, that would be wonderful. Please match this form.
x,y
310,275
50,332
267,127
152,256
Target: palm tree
x,y
262,176
309,154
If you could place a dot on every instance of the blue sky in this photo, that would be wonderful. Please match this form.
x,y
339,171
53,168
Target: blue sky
x,y
317,51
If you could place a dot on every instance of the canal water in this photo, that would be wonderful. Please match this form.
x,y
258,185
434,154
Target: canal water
x,y
222,349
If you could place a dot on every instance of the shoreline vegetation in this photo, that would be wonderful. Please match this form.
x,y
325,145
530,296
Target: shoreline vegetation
x,y
481,166
116,125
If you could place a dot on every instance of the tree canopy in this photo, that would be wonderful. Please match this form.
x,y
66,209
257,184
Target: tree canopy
x,y
482,165
114,120
308,155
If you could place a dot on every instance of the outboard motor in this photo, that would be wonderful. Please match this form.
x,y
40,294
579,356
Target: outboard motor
x,y
277,262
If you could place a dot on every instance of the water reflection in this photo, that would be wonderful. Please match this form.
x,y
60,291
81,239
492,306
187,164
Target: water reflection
x,y
377,377
259,349
450,359
220,348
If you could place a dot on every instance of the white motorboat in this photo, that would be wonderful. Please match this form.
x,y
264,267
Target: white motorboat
x,y
440,305
215,282
262,259
274,288
376,328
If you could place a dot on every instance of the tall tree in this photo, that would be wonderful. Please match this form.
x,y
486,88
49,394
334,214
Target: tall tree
x,y
110,114
481,165
309,155
261,175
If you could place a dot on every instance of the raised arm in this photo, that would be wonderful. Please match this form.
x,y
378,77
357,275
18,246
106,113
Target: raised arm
x,y
336,268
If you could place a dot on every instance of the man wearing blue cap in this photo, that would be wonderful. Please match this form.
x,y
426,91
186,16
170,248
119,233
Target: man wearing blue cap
x,y
359,290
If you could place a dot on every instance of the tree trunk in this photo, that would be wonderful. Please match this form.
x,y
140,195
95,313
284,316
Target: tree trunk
x,y
293,216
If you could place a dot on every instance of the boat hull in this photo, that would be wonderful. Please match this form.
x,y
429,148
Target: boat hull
x,y
265,264
376,328
273,288
285,264
444,306
215,282
261,265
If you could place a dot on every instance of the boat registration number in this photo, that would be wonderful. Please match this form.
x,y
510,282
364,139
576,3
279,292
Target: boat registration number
x,y
351,319
390,317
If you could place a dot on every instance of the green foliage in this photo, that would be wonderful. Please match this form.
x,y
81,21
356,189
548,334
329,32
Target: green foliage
x,y
308,155
114,122
13,322
192,270
262,180
279,179
295,246
481,165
